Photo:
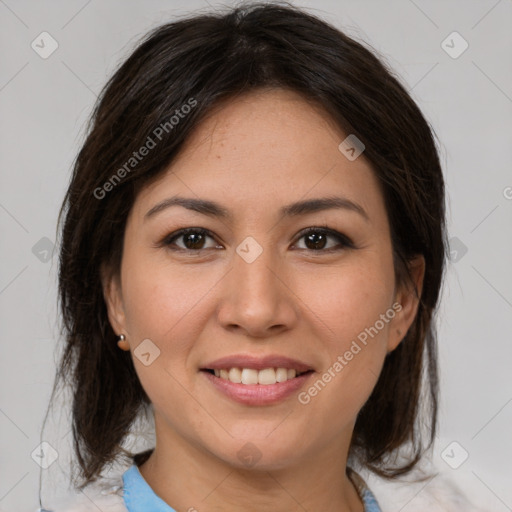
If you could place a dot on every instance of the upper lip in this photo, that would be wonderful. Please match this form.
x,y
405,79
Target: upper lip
x,y
257,362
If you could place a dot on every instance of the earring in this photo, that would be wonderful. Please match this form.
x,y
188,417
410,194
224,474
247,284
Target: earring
x,y
122,343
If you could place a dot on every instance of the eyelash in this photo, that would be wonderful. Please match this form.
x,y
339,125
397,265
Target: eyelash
x,y
344,241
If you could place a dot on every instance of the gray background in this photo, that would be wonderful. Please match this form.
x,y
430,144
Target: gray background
x,y
45,102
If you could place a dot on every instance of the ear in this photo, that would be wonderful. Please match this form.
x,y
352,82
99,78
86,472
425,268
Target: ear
x,y
408,296
112,294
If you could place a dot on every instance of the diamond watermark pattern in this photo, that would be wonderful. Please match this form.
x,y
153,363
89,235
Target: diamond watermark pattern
x,y
457,249
351,147
454,45
249,249
45,455
146,352
249,454
44,45
43,249
454,455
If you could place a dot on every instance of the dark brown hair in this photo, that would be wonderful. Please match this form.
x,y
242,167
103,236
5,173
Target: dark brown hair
x,y
206,59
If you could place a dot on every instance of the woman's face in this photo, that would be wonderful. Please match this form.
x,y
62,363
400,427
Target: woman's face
x,y
256,286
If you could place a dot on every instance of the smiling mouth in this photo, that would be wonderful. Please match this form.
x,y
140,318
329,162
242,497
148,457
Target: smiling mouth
x,y
251,377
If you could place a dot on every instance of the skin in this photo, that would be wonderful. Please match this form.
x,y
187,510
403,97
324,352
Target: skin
x,y
254,155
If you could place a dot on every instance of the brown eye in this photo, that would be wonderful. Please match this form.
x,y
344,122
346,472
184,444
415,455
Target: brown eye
x,y
193,239
316,239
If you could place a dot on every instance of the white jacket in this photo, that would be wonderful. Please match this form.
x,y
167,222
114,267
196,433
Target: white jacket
x,y
440,493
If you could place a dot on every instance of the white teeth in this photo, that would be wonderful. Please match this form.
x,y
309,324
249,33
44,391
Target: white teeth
x,y
281,375
235,375
267,376
250,376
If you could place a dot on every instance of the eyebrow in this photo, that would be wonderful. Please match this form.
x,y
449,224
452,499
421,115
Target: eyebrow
x,y
212,209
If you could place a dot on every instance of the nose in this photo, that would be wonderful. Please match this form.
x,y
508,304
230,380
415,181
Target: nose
x,y
257,295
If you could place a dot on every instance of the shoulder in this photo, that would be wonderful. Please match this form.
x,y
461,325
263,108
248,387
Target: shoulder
x,y
106,496
425,488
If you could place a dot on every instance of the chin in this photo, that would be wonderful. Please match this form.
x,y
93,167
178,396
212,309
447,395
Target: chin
x,y
260,454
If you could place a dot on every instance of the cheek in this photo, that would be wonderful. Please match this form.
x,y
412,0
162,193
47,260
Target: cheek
x,y
163,304
161,298
349,305
351,298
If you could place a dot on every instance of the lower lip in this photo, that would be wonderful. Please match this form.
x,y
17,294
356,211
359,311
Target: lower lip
x,y
258,394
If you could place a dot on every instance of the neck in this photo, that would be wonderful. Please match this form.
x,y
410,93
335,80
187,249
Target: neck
x,y
188,479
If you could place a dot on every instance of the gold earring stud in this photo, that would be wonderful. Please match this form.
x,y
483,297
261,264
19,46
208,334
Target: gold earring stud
x,y
122,343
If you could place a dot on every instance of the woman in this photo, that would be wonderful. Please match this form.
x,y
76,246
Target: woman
x,y
252,250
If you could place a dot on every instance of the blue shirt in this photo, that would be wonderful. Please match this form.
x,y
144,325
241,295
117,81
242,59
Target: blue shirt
x,y
139,497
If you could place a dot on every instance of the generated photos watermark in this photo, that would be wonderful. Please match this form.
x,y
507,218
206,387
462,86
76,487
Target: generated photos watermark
x,y
305,397
151,142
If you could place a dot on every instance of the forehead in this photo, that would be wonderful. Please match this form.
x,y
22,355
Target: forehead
x,y
269,147
274,120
